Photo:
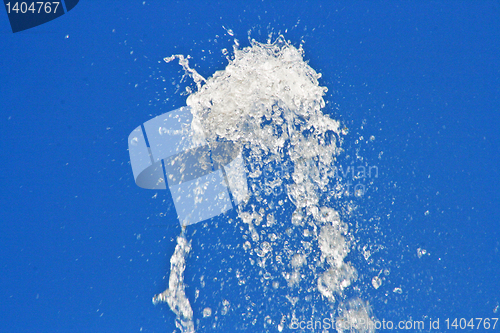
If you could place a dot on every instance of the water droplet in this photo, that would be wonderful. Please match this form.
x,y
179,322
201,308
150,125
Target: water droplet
x,y
376,282
207,312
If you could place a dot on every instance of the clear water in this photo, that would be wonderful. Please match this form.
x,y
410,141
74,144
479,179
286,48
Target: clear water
x,y
280,259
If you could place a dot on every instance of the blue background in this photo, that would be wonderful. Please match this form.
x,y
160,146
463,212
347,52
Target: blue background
x,y
82,249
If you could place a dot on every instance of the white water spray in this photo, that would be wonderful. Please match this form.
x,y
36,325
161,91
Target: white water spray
x,y
269,103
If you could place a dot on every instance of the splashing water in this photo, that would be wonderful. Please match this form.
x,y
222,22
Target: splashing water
x,y
269,103
175,295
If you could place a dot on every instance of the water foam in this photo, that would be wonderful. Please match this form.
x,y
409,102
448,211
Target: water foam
x,y
269,102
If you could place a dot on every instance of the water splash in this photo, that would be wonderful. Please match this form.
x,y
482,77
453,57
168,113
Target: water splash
x,y
175,295
268,101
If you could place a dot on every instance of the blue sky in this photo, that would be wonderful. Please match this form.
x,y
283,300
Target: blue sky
x,y
84,249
